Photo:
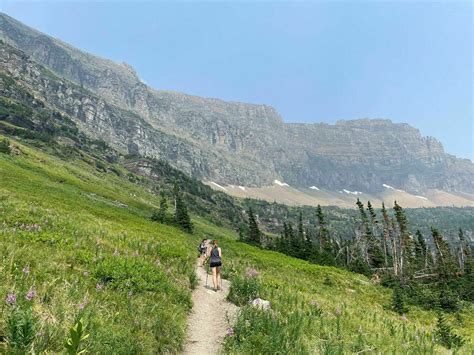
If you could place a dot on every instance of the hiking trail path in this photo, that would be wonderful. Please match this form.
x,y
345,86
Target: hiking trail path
x,y
208,321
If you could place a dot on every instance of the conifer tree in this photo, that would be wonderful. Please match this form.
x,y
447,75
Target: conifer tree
x,y
406,247
421,250
162,212
254,236
463,250
444,258
181,216
445,335
398,303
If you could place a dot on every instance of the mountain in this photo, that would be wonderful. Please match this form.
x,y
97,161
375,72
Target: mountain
x,y
229,143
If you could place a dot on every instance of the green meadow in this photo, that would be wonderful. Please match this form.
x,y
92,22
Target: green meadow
x,y
77,242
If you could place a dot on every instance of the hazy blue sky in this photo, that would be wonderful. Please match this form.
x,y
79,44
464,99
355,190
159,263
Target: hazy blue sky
x,y
313,61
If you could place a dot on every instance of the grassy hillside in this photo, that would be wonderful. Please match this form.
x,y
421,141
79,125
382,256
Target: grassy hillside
x,y
77,241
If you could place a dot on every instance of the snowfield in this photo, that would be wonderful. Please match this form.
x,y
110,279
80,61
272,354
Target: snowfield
x,y
279,183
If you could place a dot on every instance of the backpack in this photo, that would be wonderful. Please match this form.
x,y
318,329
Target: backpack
x,y
201,247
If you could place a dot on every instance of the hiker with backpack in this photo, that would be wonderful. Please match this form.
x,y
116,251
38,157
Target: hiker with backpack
x,y
215,255
202,250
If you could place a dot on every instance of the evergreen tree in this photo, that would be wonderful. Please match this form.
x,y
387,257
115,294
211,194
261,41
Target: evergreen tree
x,y
444,259
406,245
463,250
254,236
445,335
163,211
181,216
421,251
398,303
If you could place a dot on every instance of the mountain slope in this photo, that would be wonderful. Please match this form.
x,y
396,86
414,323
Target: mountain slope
x,y
90,250
244,144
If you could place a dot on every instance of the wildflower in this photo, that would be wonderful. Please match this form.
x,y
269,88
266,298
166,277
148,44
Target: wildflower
x,y
251,272
83,304
338,311
116,253
404,318
26,270
31,294
135,253
230,331
85,273
11,298
314,303
99,287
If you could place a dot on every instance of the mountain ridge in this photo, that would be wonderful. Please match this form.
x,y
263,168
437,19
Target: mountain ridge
x,y
246,144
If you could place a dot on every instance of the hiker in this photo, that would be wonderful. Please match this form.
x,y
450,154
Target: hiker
x,y
215,254
202,249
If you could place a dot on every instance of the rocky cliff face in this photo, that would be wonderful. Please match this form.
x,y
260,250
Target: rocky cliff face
x,y
225,142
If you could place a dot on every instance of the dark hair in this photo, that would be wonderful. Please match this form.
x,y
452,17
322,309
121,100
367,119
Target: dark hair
x,y
214,242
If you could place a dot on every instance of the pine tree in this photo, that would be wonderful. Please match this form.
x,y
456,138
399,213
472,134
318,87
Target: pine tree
x,y
181,216
398,303
463,250
421,250
445,335
254,236
444,258
406,245
163,211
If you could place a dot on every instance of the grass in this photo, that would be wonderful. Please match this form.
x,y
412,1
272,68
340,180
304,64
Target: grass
x,y
89,255
82,240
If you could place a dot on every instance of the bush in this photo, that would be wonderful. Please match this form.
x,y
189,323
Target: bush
x,y
20,331
243,290
5,146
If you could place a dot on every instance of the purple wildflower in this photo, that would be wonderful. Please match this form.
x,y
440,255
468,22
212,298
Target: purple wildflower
x,y
230,331
314,303
83,304
30,295
99,287
11,298
338,311
251,272
26,270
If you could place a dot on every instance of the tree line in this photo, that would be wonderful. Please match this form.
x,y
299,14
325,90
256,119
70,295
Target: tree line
x,y
424,270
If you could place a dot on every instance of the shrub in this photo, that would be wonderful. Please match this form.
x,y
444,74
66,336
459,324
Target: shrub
x,y
20,331
5,146
243,290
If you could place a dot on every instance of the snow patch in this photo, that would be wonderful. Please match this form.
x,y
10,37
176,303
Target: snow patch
x,y
242,188
279,183
401,190
219,186
314,188
352,192
422,197
388,187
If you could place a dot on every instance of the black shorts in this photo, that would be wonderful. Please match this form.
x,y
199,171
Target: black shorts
x,y
218,264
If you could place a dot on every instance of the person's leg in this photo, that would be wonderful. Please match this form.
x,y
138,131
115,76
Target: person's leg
x,y
218,278
214,277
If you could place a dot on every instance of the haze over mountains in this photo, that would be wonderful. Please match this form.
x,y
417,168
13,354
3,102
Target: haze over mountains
x,y
244,149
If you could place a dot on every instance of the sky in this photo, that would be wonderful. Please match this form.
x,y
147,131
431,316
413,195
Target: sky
x,y
313,61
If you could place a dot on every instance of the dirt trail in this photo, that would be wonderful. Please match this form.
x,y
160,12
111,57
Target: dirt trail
x,y
207,324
